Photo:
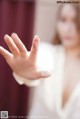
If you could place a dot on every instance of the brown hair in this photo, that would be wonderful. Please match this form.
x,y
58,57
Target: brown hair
x,y
56,39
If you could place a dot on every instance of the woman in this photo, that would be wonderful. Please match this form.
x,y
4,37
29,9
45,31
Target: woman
x,y
57,94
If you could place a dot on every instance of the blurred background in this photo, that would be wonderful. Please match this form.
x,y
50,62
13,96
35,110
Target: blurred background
x,y
26,18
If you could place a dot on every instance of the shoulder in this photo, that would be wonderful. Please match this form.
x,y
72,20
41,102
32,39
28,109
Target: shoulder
x,y
48,47
46,55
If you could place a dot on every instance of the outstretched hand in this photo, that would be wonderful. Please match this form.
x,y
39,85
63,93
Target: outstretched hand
x,y
22,61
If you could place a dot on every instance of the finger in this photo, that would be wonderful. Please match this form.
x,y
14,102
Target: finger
x,y
12,46
34,48
6,54
42,74
19,44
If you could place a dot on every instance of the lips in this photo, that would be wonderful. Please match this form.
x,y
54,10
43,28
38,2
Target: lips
x,y
67,38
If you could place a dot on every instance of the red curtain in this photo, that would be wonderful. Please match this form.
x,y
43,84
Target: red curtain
x,y
15,16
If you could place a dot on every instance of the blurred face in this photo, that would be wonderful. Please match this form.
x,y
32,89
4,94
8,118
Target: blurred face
x,y
66,26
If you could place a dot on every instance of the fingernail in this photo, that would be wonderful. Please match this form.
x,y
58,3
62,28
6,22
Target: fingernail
x,y
5,36
45,74
36,36
13,34
36,41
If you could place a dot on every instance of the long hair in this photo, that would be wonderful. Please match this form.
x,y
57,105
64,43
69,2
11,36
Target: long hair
x,y
56,40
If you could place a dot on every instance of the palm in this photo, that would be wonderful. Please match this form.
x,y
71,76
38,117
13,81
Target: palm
x,y
21,61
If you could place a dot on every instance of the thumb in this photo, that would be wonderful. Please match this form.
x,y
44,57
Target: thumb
x,y
43,74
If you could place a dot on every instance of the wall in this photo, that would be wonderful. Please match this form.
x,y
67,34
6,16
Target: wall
x,y
45,15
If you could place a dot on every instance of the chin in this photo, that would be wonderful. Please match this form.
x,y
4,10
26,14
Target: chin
x,y
69,44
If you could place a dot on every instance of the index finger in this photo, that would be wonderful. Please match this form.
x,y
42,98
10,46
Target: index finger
x,y
34,48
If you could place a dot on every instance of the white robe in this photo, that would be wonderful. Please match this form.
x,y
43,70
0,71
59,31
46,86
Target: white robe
x,y
46,97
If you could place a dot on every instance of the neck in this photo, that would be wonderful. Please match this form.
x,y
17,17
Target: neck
x,y
73,51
